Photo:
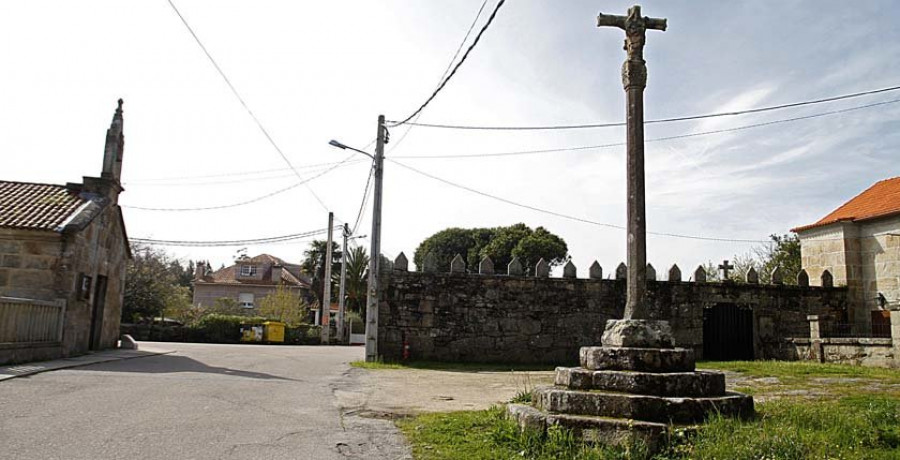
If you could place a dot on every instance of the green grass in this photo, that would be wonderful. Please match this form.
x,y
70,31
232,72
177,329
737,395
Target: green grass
x,y
850,428
451,367
802,370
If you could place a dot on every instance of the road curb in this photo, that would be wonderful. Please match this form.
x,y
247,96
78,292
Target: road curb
x,y
29,369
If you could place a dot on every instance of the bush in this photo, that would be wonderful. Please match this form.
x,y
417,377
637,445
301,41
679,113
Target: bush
x,y
217,328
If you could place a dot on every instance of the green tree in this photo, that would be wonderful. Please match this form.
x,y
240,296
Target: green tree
x,y
783,251
501,244
283,305
357,282
151,285
314,265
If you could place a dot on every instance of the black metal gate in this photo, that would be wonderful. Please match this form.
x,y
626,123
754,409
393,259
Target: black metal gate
x,y
727,333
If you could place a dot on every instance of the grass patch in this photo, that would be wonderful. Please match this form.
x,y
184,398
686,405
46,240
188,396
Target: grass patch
x,y
451,367
802,370
859,427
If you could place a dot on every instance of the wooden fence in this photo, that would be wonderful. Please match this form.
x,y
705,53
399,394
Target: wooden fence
x,y
31,321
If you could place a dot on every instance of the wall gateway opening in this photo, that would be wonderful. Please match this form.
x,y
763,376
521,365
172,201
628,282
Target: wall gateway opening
x,y
727,332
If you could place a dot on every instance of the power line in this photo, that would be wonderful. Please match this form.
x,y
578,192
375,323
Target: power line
x,y
662,120
453,72
246,202
658,139
365,199
229,181
268,240
227,174
244,104
444,74
566,216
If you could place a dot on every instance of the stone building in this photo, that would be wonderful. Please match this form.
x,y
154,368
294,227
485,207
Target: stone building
x,y
248,281
63,251
859,245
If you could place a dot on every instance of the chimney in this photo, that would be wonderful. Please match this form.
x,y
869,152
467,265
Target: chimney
x,y
200,270
276,273
115,145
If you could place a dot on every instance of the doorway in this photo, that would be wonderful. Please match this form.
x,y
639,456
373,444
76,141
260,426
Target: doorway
x,y
727,333
97,313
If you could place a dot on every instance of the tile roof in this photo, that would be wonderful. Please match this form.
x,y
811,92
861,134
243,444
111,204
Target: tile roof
x,y
290,273
37,206
879,200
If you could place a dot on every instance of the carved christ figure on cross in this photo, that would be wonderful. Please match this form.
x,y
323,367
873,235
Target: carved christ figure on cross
x,y
634,79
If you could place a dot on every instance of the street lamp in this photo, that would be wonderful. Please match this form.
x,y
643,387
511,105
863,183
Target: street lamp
x,y
375,247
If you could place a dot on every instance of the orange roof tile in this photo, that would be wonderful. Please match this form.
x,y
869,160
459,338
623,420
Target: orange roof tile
x,y
879,200
36,206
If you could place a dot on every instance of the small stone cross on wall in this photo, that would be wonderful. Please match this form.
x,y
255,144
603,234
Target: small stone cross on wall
x,y
725,267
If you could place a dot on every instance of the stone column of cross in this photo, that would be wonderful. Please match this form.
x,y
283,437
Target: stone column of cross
x,y
634,79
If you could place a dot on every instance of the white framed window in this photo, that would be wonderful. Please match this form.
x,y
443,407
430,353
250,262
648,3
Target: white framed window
x,y
245,300
248,270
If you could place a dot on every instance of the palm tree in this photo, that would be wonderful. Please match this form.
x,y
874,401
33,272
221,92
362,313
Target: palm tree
x,y
357,285
314,265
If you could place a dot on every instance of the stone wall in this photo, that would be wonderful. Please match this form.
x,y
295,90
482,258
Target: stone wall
x,y
500,318
860,351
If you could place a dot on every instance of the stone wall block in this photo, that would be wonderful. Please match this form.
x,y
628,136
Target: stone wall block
x,y
777,276
674,273
621,271
486,266
827,279
401,263
651,273
458,264
596,271
700,274
429,263
514,268
10,261
569,270
542,269
803,279
9,247
752,277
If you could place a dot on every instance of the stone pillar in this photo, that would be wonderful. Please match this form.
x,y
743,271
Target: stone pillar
x,y
816,352
895,336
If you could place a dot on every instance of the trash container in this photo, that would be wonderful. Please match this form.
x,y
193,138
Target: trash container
x,y
273,332
252,333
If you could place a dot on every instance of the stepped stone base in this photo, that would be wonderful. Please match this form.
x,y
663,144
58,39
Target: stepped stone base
x,y
609,431
637,359
679,410
631,389
700,383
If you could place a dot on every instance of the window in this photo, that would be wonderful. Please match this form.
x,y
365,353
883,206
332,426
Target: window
x,y
248,270
245,300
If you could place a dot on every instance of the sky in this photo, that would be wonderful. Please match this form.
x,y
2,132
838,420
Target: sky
x,y
315,71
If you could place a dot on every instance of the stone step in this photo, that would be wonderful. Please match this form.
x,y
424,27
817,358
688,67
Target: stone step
x,y
608,431
637,359
699,383
660,409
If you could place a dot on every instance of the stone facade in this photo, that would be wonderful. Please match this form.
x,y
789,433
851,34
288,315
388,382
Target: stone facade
x,y
72,248
858,351
502,318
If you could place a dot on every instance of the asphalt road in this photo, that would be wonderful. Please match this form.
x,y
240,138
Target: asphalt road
x,y
201,402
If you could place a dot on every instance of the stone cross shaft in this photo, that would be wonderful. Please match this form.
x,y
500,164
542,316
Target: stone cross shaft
x,y
634,79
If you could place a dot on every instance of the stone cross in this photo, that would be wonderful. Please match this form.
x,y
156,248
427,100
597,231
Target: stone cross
x,y
725,267
634,79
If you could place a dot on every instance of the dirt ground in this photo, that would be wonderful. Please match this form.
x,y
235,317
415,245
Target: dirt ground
x,y
397,392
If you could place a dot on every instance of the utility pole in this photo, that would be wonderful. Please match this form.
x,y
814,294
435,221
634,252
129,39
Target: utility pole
x,y
375,251
326,294
340,321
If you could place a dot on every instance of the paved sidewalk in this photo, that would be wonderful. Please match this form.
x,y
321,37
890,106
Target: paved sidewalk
x,y
26,369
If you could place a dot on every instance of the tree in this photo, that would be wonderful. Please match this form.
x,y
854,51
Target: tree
x,y
283,305
357,282
501,244
151,285
314,265
783,251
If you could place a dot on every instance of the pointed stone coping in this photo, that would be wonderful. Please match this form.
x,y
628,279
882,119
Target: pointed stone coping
x,y
660,409
699,383
637,359
597,430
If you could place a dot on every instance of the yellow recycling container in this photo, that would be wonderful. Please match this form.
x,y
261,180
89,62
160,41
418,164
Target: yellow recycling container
x,y
273,332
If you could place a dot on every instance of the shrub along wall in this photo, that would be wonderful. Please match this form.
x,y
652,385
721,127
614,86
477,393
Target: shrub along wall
x,y
516,319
